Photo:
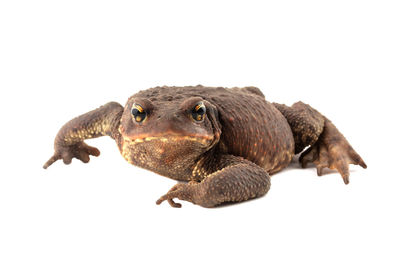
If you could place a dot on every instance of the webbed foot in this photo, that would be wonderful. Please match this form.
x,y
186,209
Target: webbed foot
x,y
332,151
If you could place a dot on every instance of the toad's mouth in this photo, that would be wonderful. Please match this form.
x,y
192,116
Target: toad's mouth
x,y
204,139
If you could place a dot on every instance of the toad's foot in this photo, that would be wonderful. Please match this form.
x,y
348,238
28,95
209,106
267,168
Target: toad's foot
x,y
79,150
181,191
332,151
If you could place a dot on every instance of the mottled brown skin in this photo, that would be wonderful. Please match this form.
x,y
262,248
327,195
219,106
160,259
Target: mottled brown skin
x,y
224,155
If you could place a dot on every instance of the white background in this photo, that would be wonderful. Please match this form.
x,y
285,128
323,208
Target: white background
x,y
59,59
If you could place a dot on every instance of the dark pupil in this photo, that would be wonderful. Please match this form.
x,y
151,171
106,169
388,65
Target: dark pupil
x,y
139,116
199,113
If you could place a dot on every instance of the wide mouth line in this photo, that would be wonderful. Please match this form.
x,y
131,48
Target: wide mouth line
x,y
166,138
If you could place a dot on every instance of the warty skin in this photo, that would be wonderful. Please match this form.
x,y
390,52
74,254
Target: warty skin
x,y
221,143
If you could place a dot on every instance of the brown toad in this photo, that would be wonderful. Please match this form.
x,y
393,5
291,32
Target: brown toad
x,y
224,142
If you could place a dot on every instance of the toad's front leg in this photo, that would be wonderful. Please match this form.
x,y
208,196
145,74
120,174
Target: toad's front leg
x,y
69,143
237,180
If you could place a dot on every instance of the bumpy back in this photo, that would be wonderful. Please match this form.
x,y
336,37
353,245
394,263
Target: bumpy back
x,y
252,127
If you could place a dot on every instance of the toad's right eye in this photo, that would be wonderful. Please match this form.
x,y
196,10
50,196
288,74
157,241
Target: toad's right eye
x,y
199,112
138,113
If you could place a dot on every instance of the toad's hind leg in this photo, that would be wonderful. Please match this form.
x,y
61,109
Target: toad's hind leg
x,y
327,146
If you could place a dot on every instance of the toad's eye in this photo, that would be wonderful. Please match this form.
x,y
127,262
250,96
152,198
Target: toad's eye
x,y
138,113
198,112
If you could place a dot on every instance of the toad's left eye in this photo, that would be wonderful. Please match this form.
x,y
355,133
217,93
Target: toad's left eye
x,y
138,113
198,112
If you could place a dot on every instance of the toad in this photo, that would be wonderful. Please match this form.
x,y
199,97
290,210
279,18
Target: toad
x,y
221,144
